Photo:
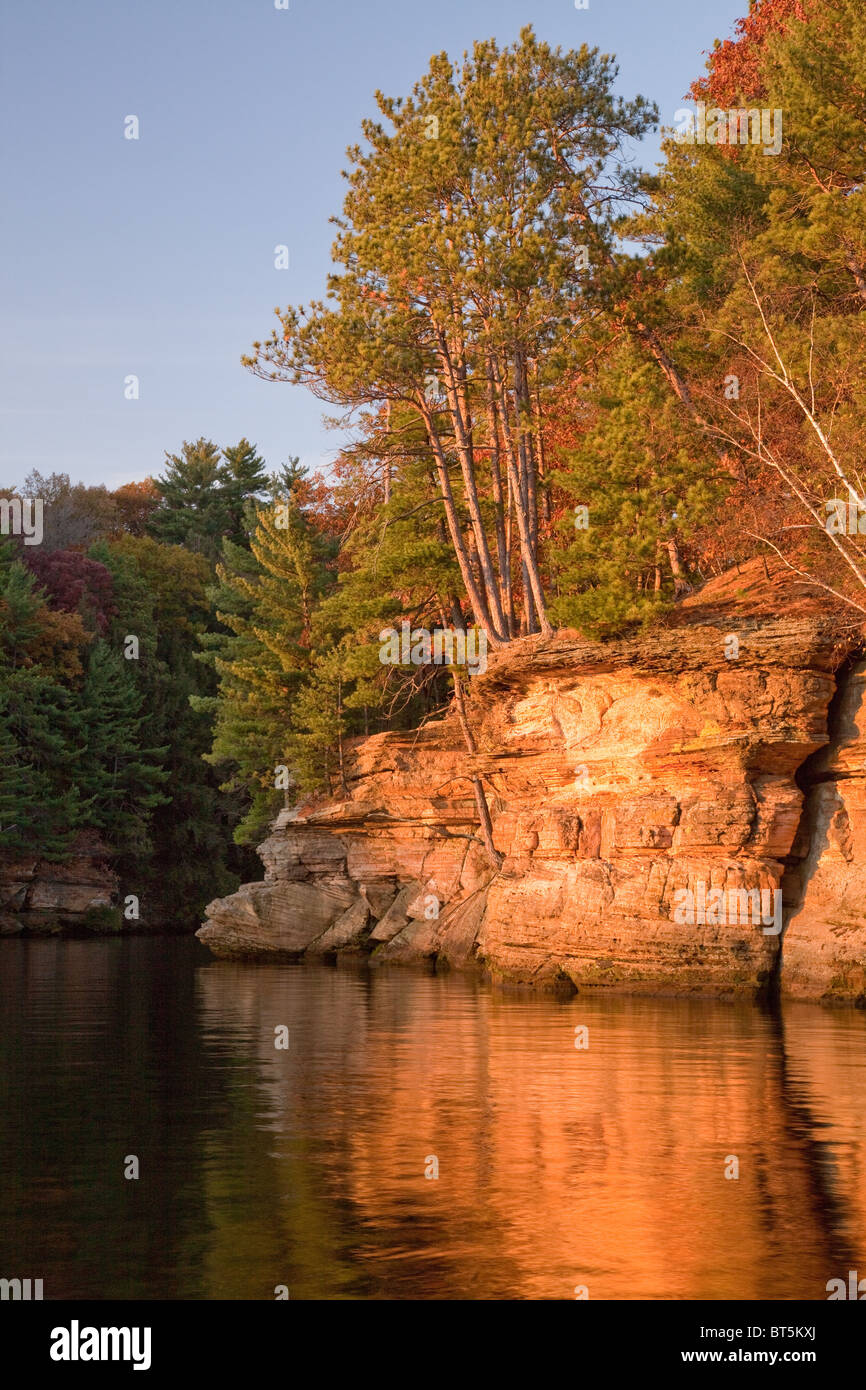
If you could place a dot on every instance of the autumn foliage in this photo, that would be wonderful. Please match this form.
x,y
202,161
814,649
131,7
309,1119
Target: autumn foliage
x,y
735,64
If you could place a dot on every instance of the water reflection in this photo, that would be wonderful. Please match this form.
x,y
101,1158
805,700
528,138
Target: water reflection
x,y
558,1167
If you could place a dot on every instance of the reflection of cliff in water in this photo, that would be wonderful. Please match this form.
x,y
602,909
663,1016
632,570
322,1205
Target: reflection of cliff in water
x,y
821,1081
558,1167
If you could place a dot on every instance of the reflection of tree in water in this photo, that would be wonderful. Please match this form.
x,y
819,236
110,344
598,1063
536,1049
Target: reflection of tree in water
x,y
102,1056
306,1168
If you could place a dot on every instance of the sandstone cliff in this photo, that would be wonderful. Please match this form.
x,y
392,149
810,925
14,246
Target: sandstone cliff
x,y
624,780
49,899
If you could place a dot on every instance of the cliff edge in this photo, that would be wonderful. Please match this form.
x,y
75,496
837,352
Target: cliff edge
x,y
683,811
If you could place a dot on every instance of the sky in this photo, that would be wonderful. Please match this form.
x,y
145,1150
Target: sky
x,y
154,257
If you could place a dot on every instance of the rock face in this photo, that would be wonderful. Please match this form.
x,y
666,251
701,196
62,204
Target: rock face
x,y
648,799
46,899
825,939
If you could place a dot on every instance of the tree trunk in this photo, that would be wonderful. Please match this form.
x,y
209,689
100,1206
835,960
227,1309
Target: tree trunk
x,y
523,409
502,549
520,513
343,788
542,462
462,436
387,478
473,592
681,584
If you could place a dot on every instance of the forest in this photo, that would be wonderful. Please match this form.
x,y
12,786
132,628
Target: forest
x,y
574,390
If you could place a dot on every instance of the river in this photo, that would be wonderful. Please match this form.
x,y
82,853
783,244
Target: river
x,y
311,1169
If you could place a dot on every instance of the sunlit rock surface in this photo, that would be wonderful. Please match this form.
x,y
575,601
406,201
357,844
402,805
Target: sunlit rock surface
x,y
825,940
617,775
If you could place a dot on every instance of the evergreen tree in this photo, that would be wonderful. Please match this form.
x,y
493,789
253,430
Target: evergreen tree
x,y
161,597
204,496
19,799
473,216
20,611
244,480
42,733
194,511
265,598
120,779
638,482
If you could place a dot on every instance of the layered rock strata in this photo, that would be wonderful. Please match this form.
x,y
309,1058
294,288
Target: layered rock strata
x,y
44,898
628,783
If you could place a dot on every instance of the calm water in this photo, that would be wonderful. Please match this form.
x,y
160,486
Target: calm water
x,y
558,1167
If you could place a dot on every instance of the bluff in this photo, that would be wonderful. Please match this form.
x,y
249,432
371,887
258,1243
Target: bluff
x,y
38,897
628,782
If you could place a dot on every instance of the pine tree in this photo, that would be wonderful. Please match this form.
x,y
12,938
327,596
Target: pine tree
x,y
161,598
265,598
194,511
472,217
639,481
19,803
42,734
244,480
21,605
121,780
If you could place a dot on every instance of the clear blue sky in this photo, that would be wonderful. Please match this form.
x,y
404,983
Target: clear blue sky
x,y
156,257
